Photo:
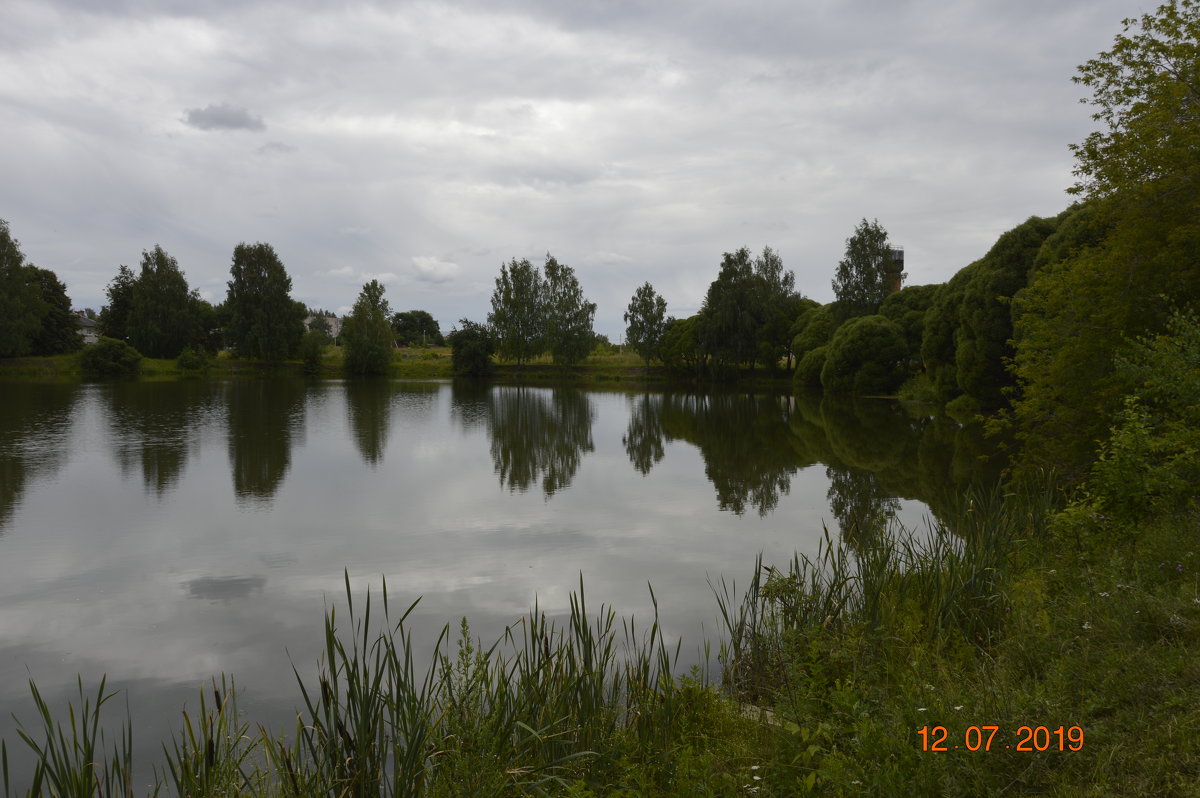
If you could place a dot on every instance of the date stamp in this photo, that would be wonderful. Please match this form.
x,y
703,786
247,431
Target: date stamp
x,y
992,738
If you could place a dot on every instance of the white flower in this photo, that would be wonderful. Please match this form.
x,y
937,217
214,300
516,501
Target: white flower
x,y
1086,625
960,706
920,709
1103,595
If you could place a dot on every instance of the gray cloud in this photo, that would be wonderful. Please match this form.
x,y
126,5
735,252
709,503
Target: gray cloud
x,y
668,132
225,117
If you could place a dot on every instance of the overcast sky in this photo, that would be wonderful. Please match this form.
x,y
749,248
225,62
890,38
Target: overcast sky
x,y
424,144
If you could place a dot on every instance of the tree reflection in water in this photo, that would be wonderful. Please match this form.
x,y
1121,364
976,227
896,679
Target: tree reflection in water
x,y
263,417
744,441
154,427
538,434
644,437
35,423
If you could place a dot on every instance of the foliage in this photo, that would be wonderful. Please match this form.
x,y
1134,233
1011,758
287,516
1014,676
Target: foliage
x,y
367,333
264,322
775,294
471,346
568,315
681,350
730,317
164,315
907,308
110,358
983,337
1130,262
58,332
1150,463
21,306
859,284
312,349
192,361
1146,90
938,350
518,317
646,322
808,369
814,327
866,357
417,328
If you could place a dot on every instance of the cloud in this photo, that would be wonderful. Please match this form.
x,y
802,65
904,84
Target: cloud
x,y
223,117
431,270
344,271
275,148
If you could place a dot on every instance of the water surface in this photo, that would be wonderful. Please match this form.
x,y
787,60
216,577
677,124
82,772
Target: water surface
x,y
163,533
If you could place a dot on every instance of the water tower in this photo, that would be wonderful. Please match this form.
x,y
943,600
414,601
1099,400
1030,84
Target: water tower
x,y
893,270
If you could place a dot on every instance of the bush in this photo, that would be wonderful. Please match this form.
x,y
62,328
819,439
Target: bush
x,y
471,348
192,362
808,370
312,348
110,358
867,356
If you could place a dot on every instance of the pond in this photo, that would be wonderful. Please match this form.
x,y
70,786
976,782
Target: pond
x,y
164,533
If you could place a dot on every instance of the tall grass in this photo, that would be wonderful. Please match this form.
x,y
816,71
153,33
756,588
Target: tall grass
x,y
941,587
541,708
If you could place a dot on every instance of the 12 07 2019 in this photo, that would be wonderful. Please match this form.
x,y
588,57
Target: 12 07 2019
x,y
992,738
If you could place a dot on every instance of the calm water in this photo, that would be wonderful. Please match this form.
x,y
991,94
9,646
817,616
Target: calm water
x,y
161,533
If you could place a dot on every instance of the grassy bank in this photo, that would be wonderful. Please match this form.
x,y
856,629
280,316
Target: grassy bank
x,y
829,669
609,369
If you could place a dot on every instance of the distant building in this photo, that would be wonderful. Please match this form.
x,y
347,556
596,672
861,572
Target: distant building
x,y
89,330
333,322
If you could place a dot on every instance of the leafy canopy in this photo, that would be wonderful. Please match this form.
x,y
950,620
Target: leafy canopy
x,y
646,322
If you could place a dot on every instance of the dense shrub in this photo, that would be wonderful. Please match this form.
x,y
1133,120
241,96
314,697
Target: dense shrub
x,y
471,348
192,361
109,358
808,370
867,356
312,347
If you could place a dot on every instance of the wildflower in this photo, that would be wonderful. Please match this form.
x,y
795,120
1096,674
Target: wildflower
x,y
1179,567
755,767
1162,565
1103,595
1196,601
920,709
929,687
960,706
1052,571
856,781
1086,625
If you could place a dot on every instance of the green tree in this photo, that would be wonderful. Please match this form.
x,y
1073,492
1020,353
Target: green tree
x,y
730,317
58,332
110,358
681,351
367,333
569,335
518,317
114,317
163,313
907,308
984,334
813,327
778,304
938,350
417,328
264,321
866,357
646,322
21,308
471,348
859,283
1146,91
1122,261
